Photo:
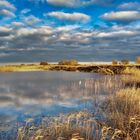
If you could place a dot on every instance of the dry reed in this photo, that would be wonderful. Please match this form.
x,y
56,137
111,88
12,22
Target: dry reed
x,y
123,112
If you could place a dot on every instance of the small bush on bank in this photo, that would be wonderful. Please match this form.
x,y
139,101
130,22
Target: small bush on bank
x,y
125,62
68,62
138,60
43,63
114,62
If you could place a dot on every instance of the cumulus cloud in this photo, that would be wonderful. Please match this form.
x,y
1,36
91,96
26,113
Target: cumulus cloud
x,y
120,34
77,17
7,9
3,54
17,24
4,31
31,20
25,11
122,16
130,6
6,13
68,3
6,4
78,3
68,28
55,43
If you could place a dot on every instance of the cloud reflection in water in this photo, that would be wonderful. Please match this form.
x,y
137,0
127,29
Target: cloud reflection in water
x,y
37,94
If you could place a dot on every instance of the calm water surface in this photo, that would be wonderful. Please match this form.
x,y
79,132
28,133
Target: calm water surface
x,y
37,94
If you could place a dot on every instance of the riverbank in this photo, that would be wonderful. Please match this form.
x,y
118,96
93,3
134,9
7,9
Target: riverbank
x,y
96,68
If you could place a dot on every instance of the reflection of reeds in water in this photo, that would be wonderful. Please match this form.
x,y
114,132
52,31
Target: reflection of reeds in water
x,y
106,85
100,86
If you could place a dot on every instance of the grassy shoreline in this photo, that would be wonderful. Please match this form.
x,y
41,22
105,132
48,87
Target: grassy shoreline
x,y
97,68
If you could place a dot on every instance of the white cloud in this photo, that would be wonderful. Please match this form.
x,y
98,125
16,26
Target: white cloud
x,y
67,3
130,6
71,40
77,3
6,13
124,16
25,11
7,9
68,28
4,31
77,17
3,54
6,4
31,20
25,31
16,24
120,33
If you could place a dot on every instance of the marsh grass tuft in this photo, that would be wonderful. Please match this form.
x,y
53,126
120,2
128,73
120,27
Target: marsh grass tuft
x,y
75,126
123,112
133,77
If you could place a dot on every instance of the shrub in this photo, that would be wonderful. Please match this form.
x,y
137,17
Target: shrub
x,y
22,64
68,62
138,60
43,63
114,62
125,62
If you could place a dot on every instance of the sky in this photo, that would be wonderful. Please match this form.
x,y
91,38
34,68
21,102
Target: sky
x,y
85,30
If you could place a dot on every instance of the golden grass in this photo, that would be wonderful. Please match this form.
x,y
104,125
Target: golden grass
x,y
132,78
75,126
123,112
133,71
98,68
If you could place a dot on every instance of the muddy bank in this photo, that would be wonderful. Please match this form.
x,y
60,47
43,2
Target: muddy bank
x,y
105,69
